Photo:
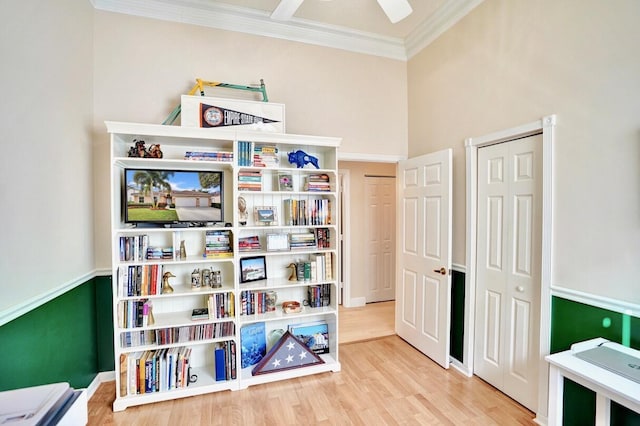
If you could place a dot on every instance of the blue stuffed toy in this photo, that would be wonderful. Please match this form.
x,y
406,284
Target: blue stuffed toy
x,y
301,158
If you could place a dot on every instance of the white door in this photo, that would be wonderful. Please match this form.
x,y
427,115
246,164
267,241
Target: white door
x,y
380,221
423,280
508,267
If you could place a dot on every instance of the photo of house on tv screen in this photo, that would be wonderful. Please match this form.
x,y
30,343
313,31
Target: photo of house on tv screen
x,y
172,196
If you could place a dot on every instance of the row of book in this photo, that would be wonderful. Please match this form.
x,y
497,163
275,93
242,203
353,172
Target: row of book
x,y
222,156
156,253
253,155
265,156
221,305
225,361
317,268
139,280
302,240
133,248
323,238
218,243
172,335
253,302
154,371
319,295
306,212
134,313
318,183
245,153
250,180
250,243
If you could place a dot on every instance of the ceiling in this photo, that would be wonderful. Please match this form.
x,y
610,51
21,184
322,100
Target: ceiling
x,y
355,25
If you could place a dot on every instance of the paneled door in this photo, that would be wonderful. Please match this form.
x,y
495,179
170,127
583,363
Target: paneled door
x,y
423,280
380,222
509,267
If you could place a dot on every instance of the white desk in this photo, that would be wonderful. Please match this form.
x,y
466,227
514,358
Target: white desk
x,y
44,404
607,385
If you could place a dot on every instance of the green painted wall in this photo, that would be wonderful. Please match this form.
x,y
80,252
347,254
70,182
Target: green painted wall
x,y
573,322
60,341
456,349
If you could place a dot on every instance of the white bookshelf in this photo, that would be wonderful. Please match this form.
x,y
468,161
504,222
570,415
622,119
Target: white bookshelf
x,y
172,311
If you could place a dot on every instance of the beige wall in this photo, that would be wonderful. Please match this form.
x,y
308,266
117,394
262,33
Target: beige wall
x,y
142,66
45,168
356,222
511,62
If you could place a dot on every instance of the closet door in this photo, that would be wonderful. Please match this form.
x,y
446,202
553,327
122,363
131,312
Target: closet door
x,y
508,267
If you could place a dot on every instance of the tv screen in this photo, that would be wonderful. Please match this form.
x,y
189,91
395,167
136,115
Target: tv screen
x,y
173,196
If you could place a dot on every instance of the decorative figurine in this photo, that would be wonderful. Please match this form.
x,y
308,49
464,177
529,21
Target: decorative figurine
x,y
294,273
155,151
216,279
183,250
139,150
150,319
242,211
206,277
301,159
195,279
166,287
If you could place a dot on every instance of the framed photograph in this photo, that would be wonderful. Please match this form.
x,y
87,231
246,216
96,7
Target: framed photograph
x,y
253,269
285,182
265,215
277,242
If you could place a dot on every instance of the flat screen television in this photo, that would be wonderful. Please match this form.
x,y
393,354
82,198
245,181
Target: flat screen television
x,y
153,196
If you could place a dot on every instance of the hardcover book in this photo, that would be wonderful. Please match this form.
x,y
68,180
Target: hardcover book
x,y
313,334
253,344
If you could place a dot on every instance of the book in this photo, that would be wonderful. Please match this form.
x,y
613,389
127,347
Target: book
x,y
220,364
253,344
315,335
200,314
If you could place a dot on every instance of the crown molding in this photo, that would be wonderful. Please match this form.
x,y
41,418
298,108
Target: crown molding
x,y
444,18
251,21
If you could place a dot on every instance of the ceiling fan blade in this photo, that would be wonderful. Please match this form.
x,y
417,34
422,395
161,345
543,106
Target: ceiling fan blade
x,y
285,10
396,10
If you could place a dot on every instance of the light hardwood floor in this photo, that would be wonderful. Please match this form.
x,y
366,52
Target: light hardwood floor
x,y
383,381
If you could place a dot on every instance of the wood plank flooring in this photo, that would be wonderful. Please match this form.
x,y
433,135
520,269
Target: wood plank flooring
x,y
383,381
366,322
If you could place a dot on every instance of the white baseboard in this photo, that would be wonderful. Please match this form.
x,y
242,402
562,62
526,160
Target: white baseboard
x,y
107,376
356,302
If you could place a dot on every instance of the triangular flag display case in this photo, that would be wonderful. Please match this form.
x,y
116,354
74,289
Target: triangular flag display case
x,y
289,353
163,265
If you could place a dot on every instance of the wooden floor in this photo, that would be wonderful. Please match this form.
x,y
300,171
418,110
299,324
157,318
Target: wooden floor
x,y
383,381
366,322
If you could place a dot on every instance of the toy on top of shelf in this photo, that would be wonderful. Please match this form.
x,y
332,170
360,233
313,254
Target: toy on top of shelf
x,y
139,150
301,159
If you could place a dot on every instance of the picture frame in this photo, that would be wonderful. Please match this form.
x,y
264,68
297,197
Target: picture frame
x,y
285,181
253,269
277,242
265,215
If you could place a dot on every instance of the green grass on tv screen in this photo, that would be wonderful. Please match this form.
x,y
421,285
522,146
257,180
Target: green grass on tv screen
x,y
150,215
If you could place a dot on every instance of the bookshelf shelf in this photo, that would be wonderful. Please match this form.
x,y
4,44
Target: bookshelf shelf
x,y
142,255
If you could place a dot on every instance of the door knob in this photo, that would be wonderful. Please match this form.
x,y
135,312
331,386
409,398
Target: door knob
x,y
441,271
520,289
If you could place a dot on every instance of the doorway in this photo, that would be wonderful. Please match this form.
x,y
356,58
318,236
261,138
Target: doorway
x,y
353,175
380,247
